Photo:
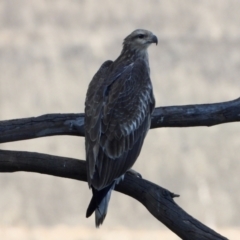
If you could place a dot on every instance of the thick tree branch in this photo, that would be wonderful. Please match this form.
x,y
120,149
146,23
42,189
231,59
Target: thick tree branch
x,y
43,126
156,199
73,124
197,115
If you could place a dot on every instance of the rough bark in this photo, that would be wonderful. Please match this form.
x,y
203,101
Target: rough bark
x,y
157,200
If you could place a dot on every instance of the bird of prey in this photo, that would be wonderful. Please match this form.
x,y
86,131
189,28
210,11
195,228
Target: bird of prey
x,y
118,109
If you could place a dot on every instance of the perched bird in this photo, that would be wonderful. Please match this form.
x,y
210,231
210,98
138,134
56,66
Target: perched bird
x,y
118,109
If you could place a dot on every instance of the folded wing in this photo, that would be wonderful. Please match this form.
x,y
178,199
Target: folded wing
x,y
118,111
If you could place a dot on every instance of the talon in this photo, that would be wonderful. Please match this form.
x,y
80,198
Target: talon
x,y
134,173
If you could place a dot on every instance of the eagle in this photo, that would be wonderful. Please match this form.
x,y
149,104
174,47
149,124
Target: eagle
x,y
118,108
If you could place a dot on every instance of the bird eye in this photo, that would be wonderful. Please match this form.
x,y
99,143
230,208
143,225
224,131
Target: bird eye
x,y
140,36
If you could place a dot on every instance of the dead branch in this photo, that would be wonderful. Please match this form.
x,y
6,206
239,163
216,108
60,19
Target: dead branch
x,y
73,124
157,200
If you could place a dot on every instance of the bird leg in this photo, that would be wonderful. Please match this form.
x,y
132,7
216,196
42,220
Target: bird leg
x,y
134,173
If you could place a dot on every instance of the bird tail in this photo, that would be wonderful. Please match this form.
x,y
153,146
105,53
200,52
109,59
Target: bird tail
x,y
99,204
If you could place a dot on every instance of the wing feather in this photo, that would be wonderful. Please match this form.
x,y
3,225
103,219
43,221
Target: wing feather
x,y
118,111
93,108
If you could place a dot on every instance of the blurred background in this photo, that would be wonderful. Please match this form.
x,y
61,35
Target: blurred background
x,y
49,51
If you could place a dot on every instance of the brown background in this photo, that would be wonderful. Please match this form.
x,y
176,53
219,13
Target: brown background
x,y
49,51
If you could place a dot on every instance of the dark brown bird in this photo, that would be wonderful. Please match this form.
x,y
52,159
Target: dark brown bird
x,y
118,109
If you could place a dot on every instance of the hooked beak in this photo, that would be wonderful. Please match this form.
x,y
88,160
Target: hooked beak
x,y
154,39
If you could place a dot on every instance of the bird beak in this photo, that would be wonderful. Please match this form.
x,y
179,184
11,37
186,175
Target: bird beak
x,y
154,39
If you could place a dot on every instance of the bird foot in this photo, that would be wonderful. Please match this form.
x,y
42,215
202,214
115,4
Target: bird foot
x,y
134,173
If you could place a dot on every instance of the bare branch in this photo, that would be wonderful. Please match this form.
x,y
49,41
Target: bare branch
x,y
73,124
43,126
197,115
156,199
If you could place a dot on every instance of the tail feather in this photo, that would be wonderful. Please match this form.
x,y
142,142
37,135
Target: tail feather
x,y
99,203
101,210
91,207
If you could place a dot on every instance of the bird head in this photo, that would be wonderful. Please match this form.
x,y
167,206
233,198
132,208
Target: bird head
x,y
140,39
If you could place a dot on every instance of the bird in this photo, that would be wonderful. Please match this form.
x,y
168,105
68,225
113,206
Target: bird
x,y
118,107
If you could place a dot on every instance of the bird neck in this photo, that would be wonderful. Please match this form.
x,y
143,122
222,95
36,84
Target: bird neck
x,y
130,54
